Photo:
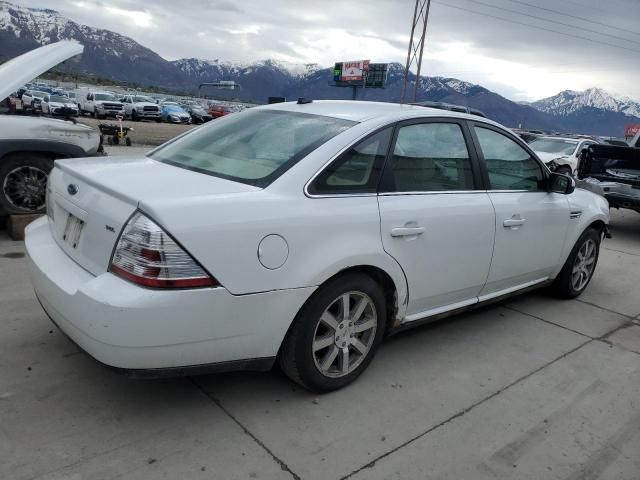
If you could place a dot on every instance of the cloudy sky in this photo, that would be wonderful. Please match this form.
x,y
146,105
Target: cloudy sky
x,y
523,49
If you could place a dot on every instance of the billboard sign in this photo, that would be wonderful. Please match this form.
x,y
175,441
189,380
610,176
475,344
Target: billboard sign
x,y
631,130
354,71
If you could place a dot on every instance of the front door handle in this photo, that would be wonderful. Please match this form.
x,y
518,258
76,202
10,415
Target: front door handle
x,y
514,222
406,231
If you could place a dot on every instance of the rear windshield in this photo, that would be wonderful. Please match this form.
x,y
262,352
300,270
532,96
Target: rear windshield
x,y
253,147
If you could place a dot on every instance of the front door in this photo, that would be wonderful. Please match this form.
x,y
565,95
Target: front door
x,y
531,223
434,222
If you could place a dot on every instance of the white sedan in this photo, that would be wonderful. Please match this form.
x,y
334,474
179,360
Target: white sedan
x,y
302,233
59,105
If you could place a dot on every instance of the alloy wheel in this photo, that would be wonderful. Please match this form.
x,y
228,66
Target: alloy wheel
x,y
25,187
344,334
584,265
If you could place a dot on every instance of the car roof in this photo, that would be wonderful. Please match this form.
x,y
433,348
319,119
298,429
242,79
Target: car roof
x,y
360,111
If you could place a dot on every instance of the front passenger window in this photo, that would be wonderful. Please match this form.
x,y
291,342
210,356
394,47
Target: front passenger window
x,y
510,166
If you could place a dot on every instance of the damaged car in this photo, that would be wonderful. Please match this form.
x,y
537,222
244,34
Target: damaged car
x,y
614,172
30,145
560,154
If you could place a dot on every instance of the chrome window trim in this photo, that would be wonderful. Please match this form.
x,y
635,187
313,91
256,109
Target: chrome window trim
x,y
335,157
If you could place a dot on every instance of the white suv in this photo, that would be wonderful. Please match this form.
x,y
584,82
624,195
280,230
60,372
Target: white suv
x,y
303,233
140,107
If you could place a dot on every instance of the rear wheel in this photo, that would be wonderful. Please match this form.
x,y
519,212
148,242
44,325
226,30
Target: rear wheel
x,y
579,267
336,334
23,179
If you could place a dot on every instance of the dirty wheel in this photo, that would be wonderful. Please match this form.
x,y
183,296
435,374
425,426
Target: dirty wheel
x,y
336,333
579,267
23,178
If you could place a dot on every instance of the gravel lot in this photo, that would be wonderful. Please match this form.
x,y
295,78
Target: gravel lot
x,y
531,388
144,133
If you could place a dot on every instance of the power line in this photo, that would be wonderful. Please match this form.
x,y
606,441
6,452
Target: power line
x,y
587,39
573,16
552,21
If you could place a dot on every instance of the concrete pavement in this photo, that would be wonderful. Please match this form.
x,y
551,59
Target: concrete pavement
x,y
530,388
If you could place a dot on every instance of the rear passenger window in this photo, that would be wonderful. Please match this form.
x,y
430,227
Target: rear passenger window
x,y
510,167
357,170
431,157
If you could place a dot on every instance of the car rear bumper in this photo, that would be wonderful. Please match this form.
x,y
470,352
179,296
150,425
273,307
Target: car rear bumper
x,y
135,329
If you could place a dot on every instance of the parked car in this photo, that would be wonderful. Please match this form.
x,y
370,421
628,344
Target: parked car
x,y
140,107
173,113
197,112
59,105
217,111
560,154
613,171
98,103
303,233
28,99
29,145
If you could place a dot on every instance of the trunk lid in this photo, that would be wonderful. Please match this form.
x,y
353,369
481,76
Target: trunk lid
x,y
91,200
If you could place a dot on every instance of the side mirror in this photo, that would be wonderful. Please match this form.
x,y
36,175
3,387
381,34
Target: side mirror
x,y
559,183
88,96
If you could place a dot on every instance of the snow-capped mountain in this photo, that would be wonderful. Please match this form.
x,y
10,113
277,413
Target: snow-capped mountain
x,y
111,55
568,102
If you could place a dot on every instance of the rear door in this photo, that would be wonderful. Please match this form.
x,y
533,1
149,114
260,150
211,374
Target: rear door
x,y
436,221
531,222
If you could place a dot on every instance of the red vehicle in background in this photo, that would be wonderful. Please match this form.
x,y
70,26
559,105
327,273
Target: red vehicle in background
x,y
217,111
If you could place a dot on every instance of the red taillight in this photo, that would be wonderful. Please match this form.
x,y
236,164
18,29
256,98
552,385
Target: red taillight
x,y
147,255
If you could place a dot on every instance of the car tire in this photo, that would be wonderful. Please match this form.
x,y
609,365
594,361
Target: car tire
x,y
579,267
134,116
323,351
23,182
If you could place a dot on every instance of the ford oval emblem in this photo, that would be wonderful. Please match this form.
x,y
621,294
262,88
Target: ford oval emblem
x,y
72,189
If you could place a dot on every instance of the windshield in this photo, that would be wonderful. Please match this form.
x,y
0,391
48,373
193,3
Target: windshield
x,y
58,98
143,99
104,96
39,94
71,95
254,147
173,108
554,145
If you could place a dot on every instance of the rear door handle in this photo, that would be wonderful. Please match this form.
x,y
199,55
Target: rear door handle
x,y
514,222
406,231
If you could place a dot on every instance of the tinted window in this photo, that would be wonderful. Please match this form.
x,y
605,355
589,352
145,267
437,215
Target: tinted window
x,y
357,170
254,147
510,166
431,157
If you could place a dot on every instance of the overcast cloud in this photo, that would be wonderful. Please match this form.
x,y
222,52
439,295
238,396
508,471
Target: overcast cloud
x,y
517,61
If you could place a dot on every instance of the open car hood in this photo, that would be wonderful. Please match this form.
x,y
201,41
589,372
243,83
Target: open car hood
x,y
20,70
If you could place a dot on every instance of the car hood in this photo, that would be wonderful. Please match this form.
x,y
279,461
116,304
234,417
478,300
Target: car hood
x,y
60,104
547,157
145,104
20,70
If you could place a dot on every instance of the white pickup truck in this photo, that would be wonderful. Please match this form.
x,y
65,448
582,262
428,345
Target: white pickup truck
x,y
140,107
98,104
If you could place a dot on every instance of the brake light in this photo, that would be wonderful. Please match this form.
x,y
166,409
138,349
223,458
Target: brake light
x,y
147,255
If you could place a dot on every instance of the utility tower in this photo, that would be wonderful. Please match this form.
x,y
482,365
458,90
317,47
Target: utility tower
x,y
416,46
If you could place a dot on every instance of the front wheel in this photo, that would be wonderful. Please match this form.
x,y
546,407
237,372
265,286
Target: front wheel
x,y
336,334
579,267
23,180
